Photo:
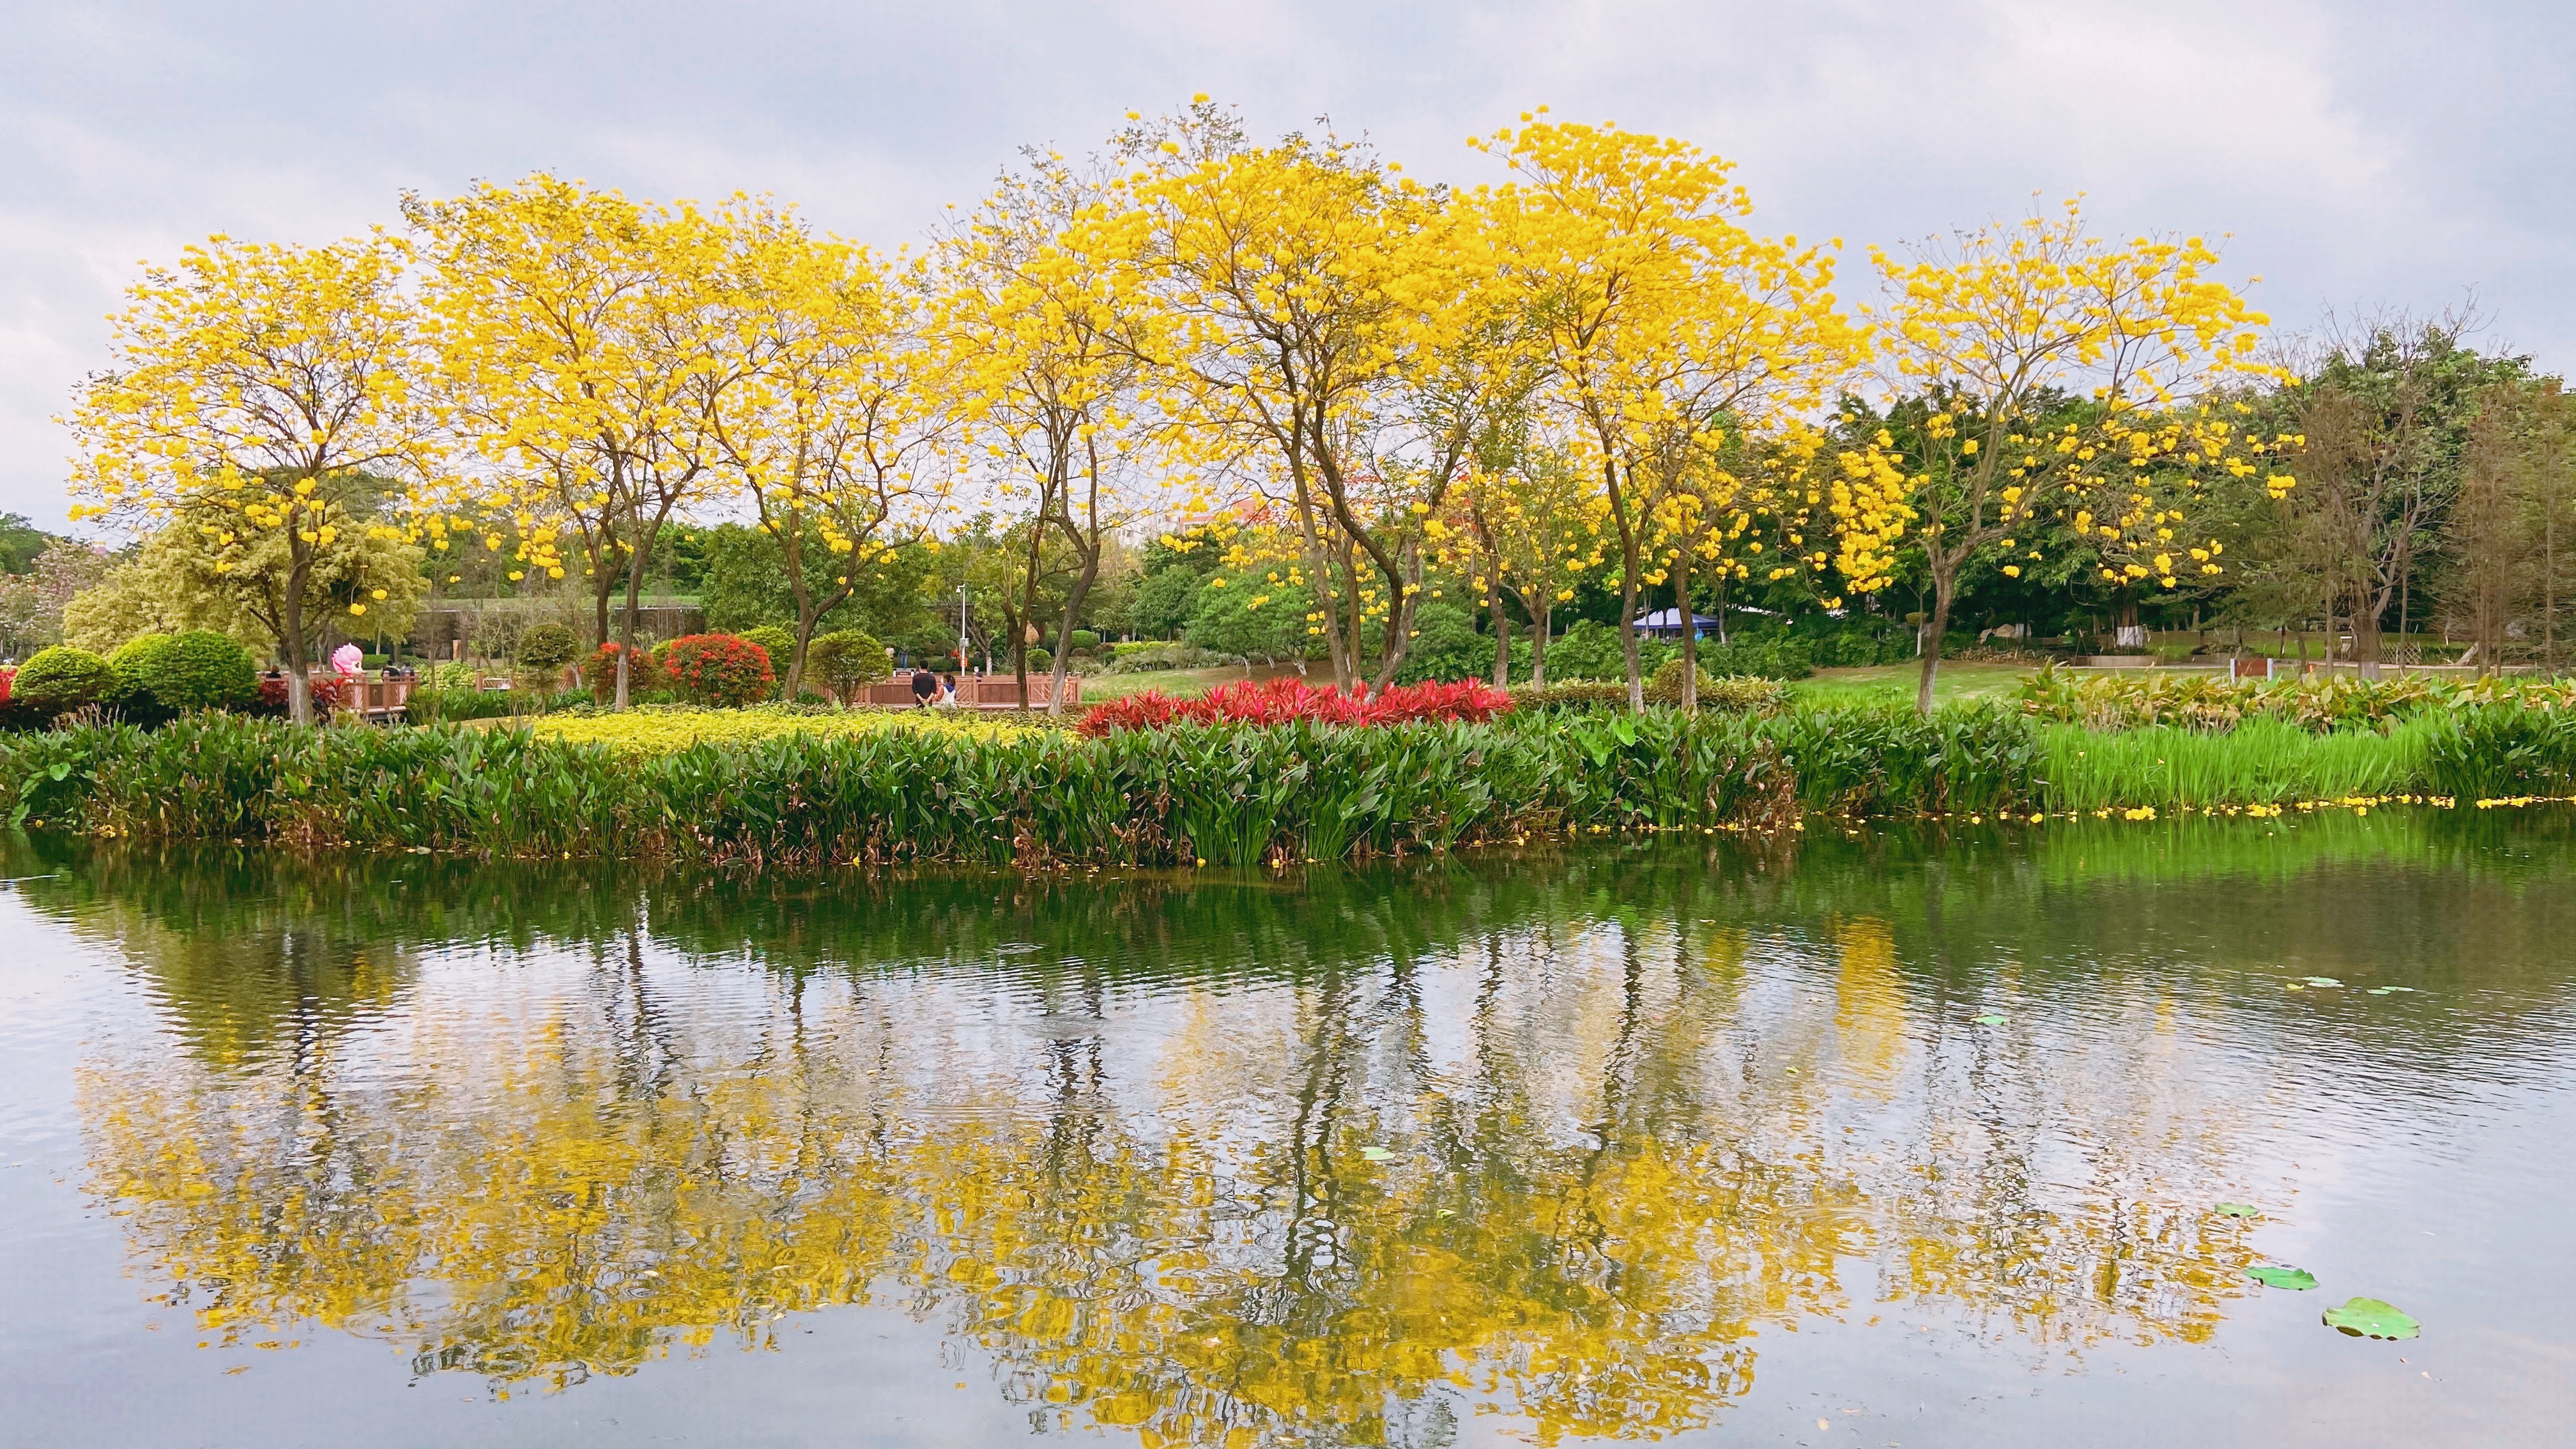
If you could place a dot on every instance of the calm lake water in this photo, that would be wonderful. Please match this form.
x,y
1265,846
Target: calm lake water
x,y
1902,1139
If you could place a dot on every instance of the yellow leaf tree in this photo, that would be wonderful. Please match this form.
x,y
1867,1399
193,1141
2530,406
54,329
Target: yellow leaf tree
x,y
1045,317
2061,379
1303,285
820,395
1669,325
260,395
570,328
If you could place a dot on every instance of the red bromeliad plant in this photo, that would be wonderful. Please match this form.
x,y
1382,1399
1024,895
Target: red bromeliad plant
x,y
1284,701
721,670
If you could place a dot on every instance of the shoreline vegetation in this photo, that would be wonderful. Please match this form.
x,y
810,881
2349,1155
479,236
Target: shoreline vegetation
x,y
775,787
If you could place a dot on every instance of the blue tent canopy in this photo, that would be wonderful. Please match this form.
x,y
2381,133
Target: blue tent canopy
x,y
1667,624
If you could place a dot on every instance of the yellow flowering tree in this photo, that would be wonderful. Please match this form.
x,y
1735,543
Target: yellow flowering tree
x,y
1527,522
2056,378
1671,328
820,396
1048,328
259,396
570,330
1301,285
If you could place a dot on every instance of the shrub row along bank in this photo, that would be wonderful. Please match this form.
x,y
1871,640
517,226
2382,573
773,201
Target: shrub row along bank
x,y
1236,794
1231,794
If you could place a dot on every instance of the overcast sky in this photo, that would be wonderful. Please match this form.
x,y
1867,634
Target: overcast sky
x,y
2362,154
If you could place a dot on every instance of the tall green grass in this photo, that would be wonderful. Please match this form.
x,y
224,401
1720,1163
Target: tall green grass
x,y
2260,762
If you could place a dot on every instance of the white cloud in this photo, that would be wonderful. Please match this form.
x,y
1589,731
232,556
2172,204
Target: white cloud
x,y
2358,153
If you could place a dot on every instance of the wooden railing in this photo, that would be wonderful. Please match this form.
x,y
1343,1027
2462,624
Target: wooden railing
x,y
977,691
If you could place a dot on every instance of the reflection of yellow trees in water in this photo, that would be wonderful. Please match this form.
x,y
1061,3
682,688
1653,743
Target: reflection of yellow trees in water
x,y
1561,1174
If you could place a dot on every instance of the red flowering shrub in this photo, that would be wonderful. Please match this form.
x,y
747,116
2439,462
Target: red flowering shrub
x,y
330,692
7,673
599,672
1280,701
721,670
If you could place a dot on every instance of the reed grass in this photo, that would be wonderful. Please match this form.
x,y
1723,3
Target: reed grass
x,y
2263,761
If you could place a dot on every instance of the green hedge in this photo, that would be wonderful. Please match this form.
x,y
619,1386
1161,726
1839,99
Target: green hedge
x,y
1233,794
1230,793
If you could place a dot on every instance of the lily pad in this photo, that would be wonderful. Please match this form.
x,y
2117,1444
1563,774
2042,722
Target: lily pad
x,y
2321,981
1993,1018
2370,1318
2238,1210
1375,1154
1018,948
2388,990
2282,1275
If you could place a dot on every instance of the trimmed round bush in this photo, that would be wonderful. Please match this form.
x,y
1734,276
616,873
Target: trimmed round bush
x,y
59,680
844,659
726,671
1084,639
129,690
1040,659
780,643
199,669
547,646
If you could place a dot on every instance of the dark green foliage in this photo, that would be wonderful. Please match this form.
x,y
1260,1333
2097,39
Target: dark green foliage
x,y
547,647
1084,639
20,542
1250,618
432,706
2498,751
58,680
1445,646
1590,650
745,585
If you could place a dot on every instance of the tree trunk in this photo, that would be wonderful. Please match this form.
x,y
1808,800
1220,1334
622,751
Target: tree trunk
x,y
1064,629
290,644
1934,628
1690,630
1502,628
626,626
1539,626
1629,583
2365,636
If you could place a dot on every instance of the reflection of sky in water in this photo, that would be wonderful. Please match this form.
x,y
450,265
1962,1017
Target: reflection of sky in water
x,y
1636,1146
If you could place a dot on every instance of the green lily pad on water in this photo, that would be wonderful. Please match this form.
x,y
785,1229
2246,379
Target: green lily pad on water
x,y
1992,1018
2322,981
2370,1318
2282,1275
2387,990
2238,1210
1375,1154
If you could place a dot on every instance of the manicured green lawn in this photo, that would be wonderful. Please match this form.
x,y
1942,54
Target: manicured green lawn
x,y
1895,683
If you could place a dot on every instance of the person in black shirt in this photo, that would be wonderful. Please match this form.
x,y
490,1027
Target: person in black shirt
x,y
925,687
